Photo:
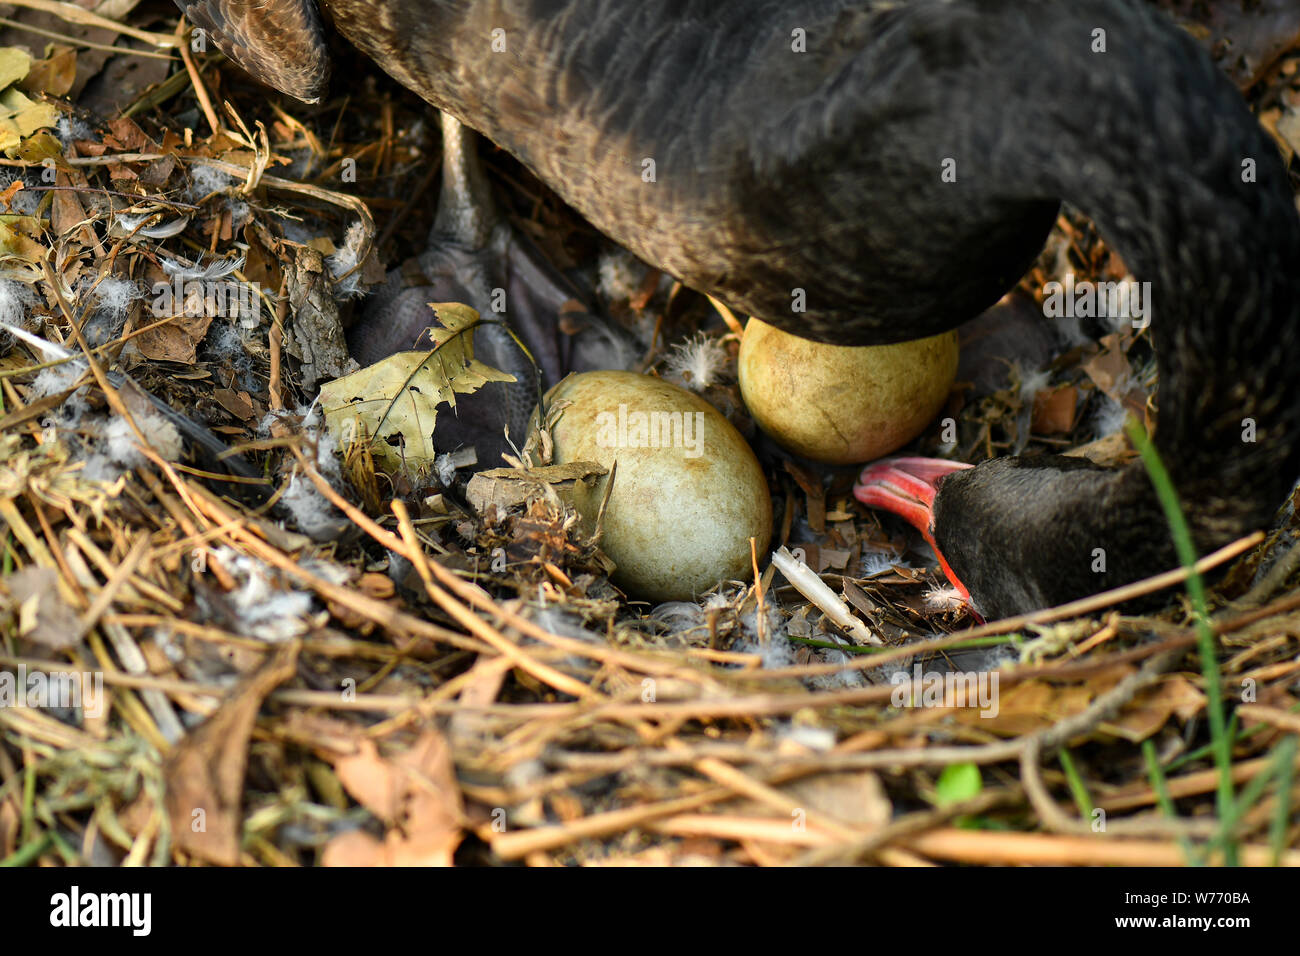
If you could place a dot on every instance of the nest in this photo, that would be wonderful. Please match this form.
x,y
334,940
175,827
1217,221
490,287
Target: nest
x,y
270,651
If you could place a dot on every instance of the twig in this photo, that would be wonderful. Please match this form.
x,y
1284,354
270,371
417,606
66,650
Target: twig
x,y
1014,849
480,599
196,80
384,615
71,13
330,196
478,627
907,825
1057,820
1073,609
104,600
1276,716
275,340
87,44
110,393
1275,577
811,586
728,317
745,785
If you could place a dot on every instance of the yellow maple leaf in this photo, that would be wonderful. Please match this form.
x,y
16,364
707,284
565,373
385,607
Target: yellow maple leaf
x,y
394,403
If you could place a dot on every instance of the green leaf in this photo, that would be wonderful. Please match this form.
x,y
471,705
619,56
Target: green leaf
x,y
958,782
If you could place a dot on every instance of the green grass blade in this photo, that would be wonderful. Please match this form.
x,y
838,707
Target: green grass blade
x,y
1220,739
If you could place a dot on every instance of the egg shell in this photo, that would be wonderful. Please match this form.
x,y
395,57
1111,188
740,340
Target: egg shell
x,y
843,404
680,515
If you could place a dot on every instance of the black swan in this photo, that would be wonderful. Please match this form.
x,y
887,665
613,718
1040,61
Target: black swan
x,y
870,171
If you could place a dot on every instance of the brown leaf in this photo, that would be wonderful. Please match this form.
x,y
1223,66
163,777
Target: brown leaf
x,y
1173,696
125,135
1037,704
1288,131
1054,410
506,488
239,404
158,171
376,585
415,793
353,848
261,265
177,341
483,686
7,197
55,74
1109,368
205,772
66,211
854,797
372,780
329,736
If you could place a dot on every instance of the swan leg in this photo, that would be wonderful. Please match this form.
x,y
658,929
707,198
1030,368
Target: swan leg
x,y
474,256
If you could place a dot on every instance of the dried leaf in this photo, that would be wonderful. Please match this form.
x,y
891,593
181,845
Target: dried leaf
x,y
239,404
55,74
13,244
854,797
39,146
20,117
507,488
46,473
1173,696
414,793
1036,704
1288,131
15,63
205,773
395,402
177,341
1054,411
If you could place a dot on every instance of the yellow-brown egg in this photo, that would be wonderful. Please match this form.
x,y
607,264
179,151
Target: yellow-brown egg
x,y
842,404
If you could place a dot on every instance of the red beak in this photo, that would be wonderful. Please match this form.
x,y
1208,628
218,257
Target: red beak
x,y
906,487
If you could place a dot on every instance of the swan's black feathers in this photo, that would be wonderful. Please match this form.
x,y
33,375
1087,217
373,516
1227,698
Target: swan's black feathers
x,y
783,176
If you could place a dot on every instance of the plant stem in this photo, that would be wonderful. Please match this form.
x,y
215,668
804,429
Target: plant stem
x,y
1182,535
